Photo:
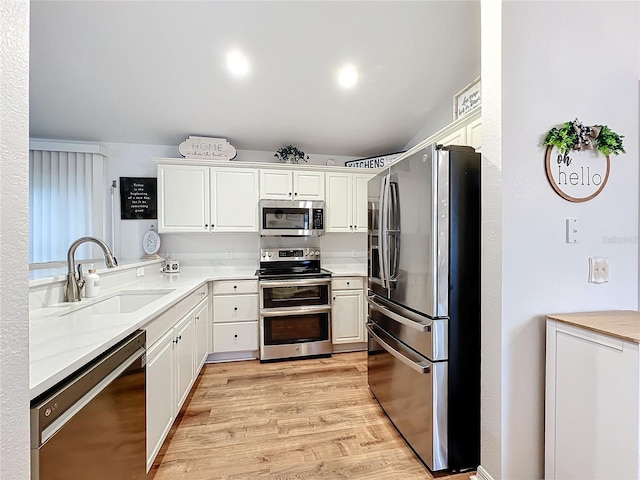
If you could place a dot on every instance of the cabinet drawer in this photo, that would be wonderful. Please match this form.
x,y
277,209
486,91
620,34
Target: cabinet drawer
x,y
235,308
191,301
231,287
233,337
160,325
347,283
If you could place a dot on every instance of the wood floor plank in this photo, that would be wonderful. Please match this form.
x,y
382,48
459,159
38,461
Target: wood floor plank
x,y
304,419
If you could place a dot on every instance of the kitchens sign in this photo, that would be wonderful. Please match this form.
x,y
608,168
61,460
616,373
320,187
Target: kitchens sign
x,y
207,148
373,162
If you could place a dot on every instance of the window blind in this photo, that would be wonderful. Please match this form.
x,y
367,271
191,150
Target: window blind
x,y
66,201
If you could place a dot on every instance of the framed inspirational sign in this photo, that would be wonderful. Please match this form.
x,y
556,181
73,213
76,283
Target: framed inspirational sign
x,y
138,198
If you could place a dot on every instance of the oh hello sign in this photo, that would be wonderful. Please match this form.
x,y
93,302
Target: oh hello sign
x,y
579,175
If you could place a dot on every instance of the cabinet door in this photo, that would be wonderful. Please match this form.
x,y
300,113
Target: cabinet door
x,y
360,201
183,198
201,318
339,202
459,137
234,200
308,185
235,337
276,184
160,394
184,357
347,321
474,134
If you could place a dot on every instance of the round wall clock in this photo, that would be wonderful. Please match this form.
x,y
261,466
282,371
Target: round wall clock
x,y
151,242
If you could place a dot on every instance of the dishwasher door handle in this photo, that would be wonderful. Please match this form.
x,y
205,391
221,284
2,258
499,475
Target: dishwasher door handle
x,y
51,429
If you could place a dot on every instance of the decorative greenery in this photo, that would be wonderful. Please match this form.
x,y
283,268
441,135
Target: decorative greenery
x,y
575,136
291,154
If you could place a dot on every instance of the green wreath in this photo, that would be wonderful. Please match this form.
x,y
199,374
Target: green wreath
x,y
575,136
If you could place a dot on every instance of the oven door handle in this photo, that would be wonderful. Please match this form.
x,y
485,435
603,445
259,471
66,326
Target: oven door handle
x,y
420,367
282,312
414,324
295,283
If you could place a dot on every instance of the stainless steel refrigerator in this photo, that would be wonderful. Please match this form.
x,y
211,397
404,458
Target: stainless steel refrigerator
x,y
424,302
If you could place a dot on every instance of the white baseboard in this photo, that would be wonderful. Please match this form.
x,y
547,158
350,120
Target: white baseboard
x,y
481,474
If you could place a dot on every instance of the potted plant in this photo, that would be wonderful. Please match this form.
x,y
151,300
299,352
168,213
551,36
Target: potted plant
x,y
290,154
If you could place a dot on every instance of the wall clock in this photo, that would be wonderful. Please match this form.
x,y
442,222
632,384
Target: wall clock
x,y
151,243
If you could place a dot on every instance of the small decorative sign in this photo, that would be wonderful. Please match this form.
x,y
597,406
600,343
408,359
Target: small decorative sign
x,y
467,99
138,198
575,167
207,148
373,162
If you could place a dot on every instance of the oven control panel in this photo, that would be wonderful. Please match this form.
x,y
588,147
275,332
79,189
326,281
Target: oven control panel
x,y
289,254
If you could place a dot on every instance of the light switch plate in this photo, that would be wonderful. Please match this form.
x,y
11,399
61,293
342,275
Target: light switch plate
x,y
140,272
573,230
598,270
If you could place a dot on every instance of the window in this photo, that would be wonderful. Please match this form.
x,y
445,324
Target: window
x,y
66,199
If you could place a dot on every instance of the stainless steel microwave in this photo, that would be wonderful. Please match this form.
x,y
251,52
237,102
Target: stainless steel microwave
x,y
291,218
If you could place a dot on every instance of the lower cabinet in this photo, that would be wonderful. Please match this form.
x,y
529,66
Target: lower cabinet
x,y
235,319
173,363
592,408
347,311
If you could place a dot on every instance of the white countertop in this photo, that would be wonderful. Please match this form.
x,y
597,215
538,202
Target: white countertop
x,y
59,345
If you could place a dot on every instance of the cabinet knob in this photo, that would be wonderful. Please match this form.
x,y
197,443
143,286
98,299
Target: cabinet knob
x,y
235,336
289,193
334,298
348,283
235,308
206,225
235,286
198,317
296,194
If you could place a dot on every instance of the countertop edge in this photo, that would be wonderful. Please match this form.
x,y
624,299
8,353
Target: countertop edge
x,y
605,322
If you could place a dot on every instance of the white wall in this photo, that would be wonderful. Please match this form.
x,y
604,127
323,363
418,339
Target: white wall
x,y
14,235
560,60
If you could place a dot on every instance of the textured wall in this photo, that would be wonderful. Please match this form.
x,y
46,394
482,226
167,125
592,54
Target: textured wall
x,y
14,218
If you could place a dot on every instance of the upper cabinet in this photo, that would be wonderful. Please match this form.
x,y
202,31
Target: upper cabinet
x,y
465,131
346,202
279,184
183,198
194,198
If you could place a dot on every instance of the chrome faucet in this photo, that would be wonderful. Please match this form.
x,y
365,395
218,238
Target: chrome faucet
x,y
76,282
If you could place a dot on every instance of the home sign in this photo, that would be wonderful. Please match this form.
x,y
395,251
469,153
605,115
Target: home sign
x,y
207,148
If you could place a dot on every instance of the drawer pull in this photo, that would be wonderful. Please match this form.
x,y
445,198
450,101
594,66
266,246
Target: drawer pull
x,y
348,283
235,286
235,309
235,336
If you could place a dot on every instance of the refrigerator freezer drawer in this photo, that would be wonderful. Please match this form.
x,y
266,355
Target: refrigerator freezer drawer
x,y
413,393
427,336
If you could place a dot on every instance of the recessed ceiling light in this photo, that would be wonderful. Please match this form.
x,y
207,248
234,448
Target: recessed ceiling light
x,y
348,76
237,63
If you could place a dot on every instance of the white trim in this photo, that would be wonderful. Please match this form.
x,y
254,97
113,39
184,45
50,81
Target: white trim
x,y
481,474
55,146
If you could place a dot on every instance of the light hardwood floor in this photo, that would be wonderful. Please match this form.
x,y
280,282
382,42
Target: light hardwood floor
x,y
303,419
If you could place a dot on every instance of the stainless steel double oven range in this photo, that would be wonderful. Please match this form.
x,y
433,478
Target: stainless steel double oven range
x,y
295,304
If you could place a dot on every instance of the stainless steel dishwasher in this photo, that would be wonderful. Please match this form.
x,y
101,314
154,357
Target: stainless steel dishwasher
x,y
92,425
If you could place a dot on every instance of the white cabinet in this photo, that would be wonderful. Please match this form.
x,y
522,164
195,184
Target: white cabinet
x,y
457,137
347,310
346,202
174,357
592,409
280,184
235,318
234,200
202,328
465,131
194,198
183,198
160,394
473,132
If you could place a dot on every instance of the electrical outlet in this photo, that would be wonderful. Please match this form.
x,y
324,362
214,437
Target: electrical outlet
x,y
598,270
230,254
573,230
140,272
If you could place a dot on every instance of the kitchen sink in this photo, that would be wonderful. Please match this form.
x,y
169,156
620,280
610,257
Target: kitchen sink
x,y
122,302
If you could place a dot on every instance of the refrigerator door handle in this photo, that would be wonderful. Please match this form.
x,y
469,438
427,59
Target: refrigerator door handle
x,y
383,251
419,367
394,203
414,324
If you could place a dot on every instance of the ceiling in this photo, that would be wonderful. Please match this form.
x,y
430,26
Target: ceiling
x,y
153,72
